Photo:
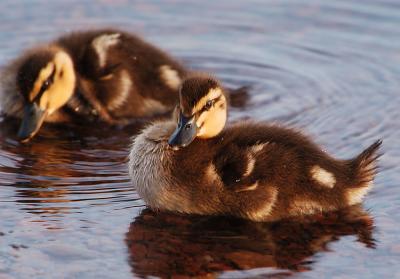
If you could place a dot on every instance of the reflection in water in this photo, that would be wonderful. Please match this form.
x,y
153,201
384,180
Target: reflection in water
x,y
65,166
163,244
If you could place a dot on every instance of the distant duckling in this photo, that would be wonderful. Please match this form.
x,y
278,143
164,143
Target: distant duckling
x,y
250,170
103,75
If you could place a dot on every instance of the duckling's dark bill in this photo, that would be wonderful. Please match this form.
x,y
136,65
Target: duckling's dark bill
x,y
32,120
185,132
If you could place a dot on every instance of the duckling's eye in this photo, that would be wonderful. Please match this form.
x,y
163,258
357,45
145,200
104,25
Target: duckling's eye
x,y
209,104
46,84
188,126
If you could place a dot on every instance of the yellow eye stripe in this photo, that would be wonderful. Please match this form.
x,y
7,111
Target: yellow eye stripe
x,y
212,94
44,74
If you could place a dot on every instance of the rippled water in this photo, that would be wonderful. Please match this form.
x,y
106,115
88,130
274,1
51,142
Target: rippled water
x,y
330,67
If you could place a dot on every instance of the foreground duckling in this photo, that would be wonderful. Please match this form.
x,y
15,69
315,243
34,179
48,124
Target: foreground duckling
x,y
249,170
103,75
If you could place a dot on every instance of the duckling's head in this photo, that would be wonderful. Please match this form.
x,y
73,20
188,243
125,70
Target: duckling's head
x,y
46,79
202,111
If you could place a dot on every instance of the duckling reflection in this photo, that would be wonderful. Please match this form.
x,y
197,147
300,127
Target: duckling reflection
x,y
163,244
64,168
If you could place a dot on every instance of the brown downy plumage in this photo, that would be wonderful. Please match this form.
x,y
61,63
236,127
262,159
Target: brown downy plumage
x,y
251,170
104,75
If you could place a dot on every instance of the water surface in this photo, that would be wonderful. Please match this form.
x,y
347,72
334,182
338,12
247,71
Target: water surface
x,y
329,67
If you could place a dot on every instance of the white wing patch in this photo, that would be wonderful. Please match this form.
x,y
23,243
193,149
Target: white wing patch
x,y
251,160
250,188
356,195
258,147
125,85
101,45
212,174
170,77
323,177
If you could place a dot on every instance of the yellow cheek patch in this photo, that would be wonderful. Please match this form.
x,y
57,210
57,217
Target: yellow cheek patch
x,y
212,122
44,74
64,82
213,111
202,118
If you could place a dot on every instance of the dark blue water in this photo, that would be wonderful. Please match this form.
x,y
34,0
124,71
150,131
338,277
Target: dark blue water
x,y
67,208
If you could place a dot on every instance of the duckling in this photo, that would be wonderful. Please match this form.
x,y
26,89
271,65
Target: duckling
x,y
257,171
101,75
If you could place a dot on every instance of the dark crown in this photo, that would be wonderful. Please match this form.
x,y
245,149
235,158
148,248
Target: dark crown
x,y
195,88
30,69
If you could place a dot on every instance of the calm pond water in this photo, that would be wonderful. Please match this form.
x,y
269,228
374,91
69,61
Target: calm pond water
x,y
332,68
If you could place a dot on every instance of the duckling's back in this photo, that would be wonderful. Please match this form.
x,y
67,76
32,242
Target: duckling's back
x,y
122,62
299,176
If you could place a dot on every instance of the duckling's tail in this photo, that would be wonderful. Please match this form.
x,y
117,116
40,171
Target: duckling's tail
x,y
364,168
